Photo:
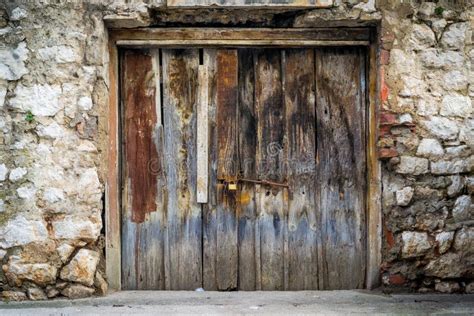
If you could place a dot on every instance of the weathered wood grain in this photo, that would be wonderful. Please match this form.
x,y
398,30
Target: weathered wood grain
x,y
341,165
251,3
303,225
227,168
113,221
271,153
225,35
203,136
374,207
142,234
247,129
209,209
184,229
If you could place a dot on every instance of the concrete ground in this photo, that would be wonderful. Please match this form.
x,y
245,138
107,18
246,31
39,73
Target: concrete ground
x,y
270,303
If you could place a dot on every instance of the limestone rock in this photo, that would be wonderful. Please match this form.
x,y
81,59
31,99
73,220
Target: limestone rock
x,y
461,210
454,36
470,184
469,288
84,103
41,100
447,287
59,54
415,244
100,284
427,9
430,148
36,294
452,166
404,196
77,227
3,92
3,253
18,14
17,174
65,251
40,273
444,240
456,105
466,133
457,184
21,231
12,62
448,265
51,131
464,241
74,291
82,267
421,37
53,195
455,80
13,296
441,127
3,172
432,58
26,192
51,292
412,165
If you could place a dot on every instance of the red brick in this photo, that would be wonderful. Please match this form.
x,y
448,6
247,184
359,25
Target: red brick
x,y
384,57
387,153
397,279
387,118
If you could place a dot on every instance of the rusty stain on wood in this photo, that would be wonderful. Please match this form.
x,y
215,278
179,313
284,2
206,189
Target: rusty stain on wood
x,y
139,122
227,168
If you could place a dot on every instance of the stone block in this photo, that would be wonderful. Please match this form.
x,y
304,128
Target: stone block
x,y
412,165
82,267
415,244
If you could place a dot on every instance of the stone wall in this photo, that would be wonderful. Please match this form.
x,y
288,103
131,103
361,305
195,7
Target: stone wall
x,y
53,110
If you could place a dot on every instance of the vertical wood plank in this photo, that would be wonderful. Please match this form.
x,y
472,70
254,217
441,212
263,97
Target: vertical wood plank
x,y
227,167
247,129
142,232
112,210
374,208
340,86
202,135
184,243
271,153
303,227
209,209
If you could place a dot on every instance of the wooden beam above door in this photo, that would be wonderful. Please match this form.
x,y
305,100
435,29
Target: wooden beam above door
x,y
242,37
253,3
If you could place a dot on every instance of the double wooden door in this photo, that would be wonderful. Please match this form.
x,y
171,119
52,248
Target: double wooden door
x,y
285,155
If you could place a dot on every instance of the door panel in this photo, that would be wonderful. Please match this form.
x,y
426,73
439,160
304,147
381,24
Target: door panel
x,y
286,206
341,164
183,213
142,232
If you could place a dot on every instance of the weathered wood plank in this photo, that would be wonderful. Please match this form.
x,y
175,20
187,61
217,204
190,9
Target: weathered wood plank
x,y
247,125
227,168
209,209
252,3
243,34
202,135
184,246
341,164
271,153
113,221
374,208
303,226
142,233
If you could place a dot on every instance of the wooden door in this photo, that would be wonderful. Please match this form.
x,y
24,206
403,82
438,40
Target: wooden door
x,y
285,207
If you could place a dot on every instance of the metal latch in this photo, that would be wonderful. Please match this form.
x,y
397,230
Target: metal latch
x,y
232,184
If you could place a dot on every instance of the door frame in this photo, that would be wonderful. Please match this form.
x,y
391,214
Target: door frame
x,y
252,37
